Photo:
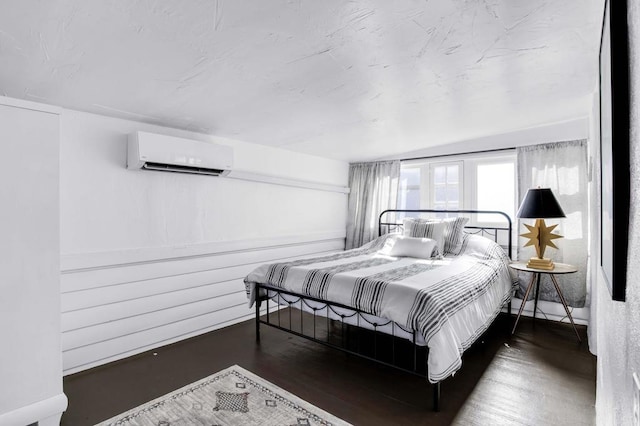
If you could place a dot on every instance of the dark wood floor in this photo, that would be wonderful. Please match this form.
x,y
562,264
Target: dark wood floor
x,y
539,376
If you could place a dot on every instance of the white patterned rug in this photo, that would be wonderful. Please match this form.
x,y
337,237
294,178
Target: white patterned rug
x,y
233,396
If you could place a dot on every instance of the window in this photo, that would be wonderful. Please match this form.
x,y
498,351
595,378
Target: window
x,y
470,181
446,190
409,195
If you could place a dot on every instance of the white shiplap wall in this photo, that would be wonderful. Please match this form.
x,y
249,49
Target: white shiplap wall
x,y
113,310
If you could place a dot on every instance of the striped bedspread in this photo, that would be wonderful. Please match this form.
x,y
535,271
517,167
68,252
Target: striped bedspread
x,y
450,301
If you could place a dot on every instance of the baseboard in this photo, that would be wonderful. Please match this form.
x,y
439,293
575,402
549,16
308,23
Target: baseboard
x,y
46,412
551,311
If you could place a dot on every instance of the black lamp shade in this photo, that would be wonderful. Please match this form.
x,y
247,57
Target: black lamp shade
x,y
540,203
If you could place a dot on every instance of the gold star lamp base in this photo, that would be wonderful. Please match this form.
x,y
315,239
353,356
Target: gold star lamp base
x,y
540,236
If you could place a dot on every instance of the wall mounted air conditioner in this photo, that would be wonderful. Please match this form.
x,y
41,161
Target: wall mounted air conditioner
x,y
149,151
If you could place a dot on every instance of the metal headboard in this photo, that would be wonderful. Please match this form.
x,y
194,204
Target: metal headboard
x,y
491,230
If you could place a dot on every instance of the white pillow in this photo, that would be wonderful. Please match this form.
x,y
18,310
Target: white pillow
x,y
425,228
421,248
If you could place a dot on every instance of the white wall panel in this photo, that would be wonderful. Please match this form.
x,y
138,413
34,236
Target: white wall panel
x,y
149,258
93,355
145,305
139,320
30,358
106,207
100,296
123,273
110,312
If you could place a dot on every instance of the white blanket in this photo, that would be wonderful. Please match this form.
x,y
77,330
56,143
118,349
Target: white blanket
x,y
449,301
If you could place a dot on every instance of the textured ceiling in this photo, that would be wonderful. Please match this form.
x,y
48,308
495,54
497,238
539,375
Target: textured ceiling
x,y
351,80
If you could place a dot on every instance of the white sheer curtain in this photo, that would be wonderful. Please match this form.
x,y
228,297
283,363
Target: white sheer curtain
x,y
562,167
374,188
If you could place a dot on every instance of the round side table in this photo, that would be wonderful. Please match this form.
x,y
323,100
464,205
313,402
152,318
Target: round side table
x,y
560,268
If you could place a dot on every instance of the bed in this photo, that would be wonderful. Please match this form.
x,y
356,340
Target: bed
x,y
434,282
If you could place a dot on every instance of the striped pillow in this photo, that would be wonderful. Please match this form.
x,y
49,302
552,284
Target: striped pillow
x,y
453,234
425,228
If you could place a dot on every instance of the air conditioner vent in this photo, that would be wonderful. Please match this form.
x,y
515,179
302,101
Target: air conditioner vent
x,y
182,169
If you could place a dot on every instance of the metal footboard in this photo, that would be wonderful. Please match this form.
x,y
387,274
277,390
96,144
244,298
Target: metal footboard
x,y
322,317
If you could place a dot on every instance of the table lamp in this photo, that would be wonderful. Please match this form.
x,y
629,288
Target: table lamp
x,y
540,204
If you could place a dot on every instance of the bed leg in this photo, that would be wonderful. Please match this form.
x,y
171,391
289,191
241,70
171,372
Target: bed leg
x,y
508,318
258,303
436,397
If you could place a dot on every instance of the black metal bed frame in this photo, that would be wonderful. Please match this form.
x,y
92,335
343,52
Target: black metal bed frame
x,y
288,299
